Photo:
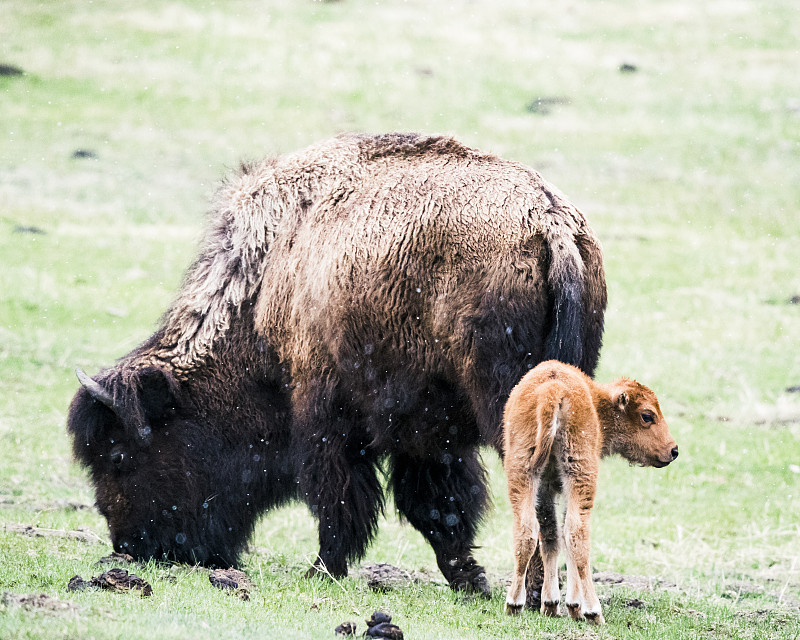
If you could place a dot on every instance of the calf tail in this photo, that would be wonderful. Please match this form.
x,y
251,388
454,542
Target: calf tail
x,y
549,418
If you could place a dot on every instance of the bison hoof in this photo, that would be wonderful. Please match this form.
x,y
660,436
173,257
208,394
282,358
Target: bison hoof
x,y
476,585
466,575
513,609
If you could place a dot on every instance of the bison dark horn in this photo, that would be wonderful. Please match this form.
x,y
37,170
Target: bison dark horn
x,y
95,390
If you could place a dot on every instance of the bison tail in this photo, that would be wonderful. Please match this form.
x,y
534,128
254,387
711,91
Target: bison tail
x,y
550,412
577,289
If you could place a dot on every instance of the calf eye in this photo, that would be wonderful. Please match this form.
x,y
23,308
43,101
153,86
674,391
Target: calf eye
x,y
648,418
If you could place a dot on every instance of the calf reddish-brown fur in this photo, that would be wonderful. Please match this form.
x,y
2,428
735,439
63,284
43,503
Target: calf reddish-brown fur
x,y
558,425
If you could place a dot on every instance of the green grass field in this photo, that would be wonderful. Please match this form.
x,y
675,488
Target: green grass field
x,y
687,166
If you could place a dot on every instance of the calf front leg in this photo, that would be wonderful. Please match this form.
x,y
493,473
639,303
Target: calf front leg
x,y
582,600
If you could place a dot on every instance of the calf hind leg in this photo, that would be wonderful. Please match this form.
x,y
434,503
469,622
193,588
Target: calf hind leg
x,y
445,501
582,600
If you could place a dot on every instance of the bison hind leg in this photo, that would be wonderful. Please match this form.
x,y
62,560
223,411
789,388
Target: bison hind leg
x,y
445,500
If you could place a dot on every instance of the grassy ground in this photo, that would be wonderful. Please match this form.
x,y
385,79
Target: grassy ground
x,y
686,165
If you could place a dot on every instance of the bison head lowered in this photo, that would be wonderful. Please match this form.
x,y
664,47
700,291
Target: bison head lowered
x,y
168,488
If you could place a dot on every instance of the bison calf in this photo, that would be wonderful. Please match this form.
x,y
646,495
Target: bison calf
x,y
558,424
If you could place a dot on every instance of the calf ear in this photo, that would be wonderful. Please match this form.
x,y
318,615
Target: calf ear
x,y
621,401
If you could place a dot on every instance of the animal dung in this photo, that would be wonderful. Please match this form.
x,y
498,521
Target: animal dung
x,y
346,629
231,580
112,580
380,626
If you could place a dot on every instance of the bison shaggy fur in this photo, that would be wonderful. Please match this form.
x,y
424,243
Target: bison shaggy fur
x,y
367,301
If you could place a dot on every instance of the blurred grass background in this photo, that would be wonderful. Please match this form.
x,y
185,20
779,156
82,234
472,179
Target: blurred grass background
x,y
674,125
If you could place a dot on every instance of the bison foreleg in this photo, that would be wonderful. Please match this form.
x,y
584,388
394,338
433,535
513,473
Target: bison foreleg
x,y
445,500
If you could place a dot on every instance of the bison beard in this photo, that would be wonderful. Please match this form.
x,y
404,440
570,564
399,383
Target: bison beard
x,y
370,298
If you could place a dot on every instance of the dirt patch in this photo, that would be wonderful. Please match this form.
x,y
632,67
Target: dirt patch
x,y
638,583
82,533
767,616
231,580
385,577
38,602
112,580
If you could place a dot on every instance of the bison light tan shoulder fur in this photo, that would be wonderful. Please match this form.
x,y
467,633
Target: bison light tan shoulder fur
x,y
558,425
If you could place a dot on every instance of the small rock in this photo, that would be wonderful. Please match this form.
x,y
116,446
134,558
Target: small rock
x,y
627,67
634,604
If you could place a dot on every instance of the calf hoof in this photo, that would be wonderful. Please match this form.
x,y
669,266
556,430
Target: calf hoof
x,y
575,611
595,618
550,609
513,609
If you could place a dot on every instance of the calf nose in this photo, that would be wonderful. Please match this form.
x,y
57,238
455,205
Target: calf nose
x,y
675,453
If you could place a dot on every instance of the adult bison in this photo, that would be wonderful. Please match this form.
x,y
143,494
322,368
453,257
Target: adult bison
x,y
368,298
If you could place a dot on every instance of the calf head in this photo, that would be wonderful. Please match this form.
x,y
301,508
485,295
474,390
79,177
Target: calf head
x,y
156,473
639,432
